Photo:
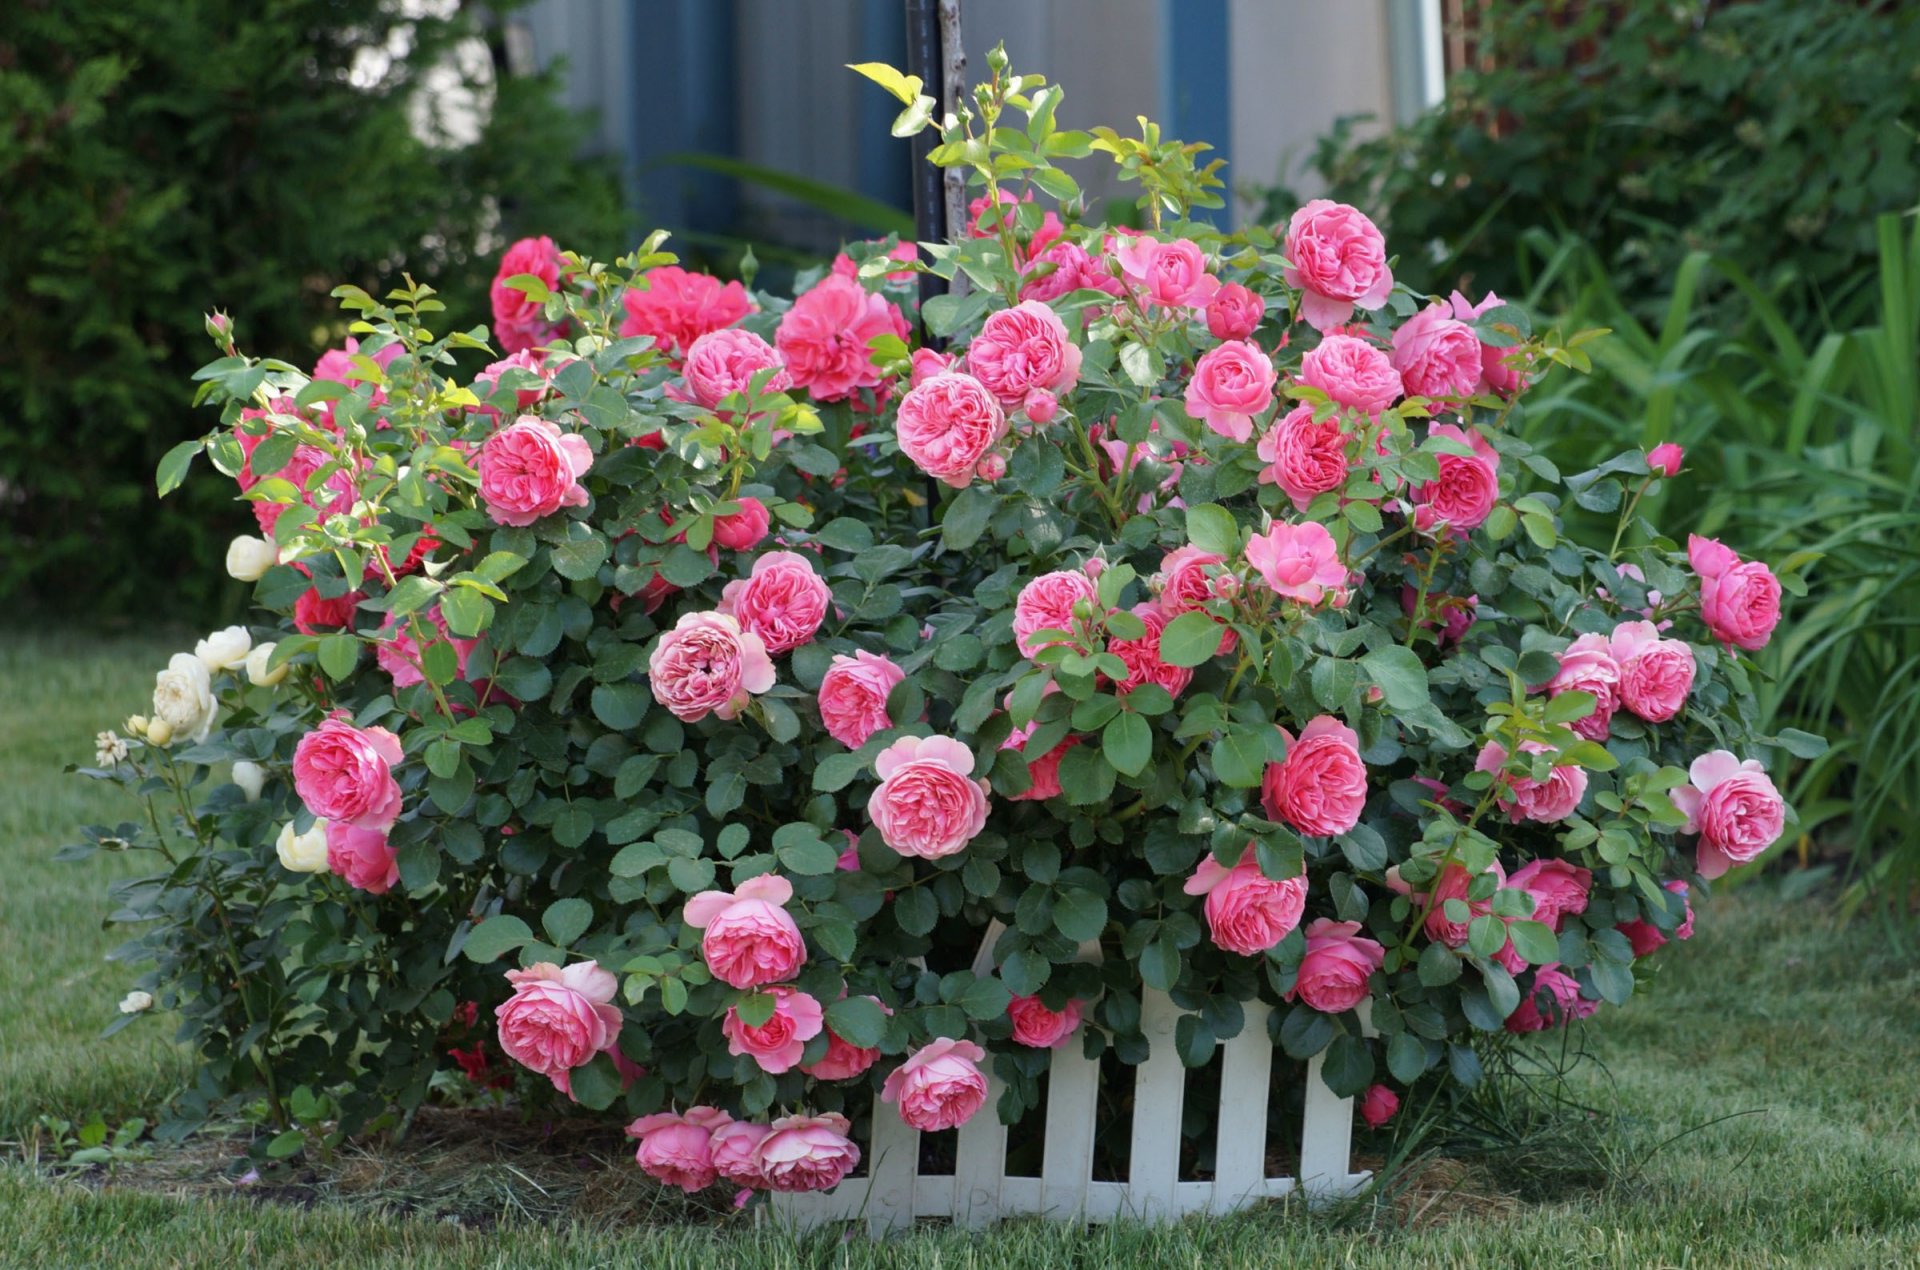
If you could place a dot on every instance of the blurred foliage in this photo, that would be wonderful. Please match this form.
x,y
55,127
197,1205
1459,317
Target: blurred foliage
x,y
168,157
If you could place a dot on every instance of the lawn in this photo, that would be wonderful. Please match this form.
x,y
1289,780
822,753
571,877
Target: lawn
x,y
1764,1101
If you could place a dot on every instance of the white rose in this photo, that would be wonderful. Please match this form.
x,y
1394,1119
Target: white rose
x,y
225,649
249,558
303,853
250,777
257,673
136,1001
182,700
160,732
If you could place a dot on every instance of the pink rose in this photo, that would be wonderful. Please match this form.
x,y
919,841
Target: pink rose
x,y
1455,615
732,1148
1559,889
1338,962
312,613
1231,384
343,773
927,803
1064,267
1338,260
1454,883
1739,600
336,364
1142,656
1184,585
844,1060
724,362
825,337
1024,350
399,654
947,424
334,496
1044,771
1036,1026
806,1153
1304,458
1665,459
1247,911
1173,274
1299,562
1467,488
1734,808
1041,406
783,600
1047,604
750,937
708,664
744,529
939,1087
676,308
531,469
676,1149
362,858
1378,1105
1587,665
776,1044
1353,373
1655,674
486,383
558,1019
519,321
1499,367
1234,312
1321,786
1647,938
853,696
1561,994
927,363
1542,801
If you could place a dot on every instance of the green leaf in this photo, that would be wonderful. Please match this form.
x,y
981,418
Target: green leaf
x,y
1211,527
1535,941
596,1084
966,517
986,998
1079,915
1406,1058
801,850
337,655
1801,744
916,911
566,920
495,937
1401,676
858,1021
174,464
580,558
1086,777
1305,1032
1189,639
1160,964
287,1143
1565,707
1127,742
1348,1066
905,87
1194,1041
1438,966
620,705
1240,758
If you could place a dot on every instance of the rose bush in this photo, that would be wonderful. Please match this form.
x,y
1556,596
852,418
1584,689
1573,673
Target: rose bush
x,y
695,693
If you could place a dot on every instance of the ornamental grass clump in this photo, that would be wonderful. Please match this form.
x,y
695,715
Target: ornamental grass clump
x,y
689,679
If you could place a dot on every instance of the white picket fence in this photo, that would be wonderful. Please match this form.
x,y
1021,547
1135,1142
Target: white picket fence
x,y
978,1192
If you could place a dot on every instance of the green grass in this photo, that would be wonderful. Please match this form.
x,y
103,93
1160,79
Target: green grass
x,y
1776,1069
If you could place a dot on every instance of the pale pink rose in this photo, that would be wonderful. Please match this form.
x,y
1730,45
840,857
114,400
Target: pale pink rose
x,y
844,1060
1044,771
1023,350
558,1019
783,600
1338,962
1231,384
1064,267
1173,274
750,937
361,858
742,530
776,1044
1378,1105
1338,259
1353,373
343,773
825,337
1655,674
1047,604
1304,458
1142,656
1560,991
1036,1026
677,1149
519,322
1665,459
1587,665
806,1153
1299,562
1709,557
1321,786
1739,600
938,1087
1542,801
1734,808
1559,889
853,696
721,363
927,803
1184,585
1647,938
1234,312
399,654
676,307
732,1148
1499,367
927,363
1247,911
531,469
1453,883
1467,488
946,425
708,664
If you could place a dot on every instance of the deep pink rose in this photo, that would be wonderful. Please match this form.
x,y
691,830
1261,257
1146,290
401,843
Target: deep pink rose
x,y
783,600
1063,267
1467,488
844,1060
1655,674
1453,883
1739,600
1142,656
1304,458
1173,274
1665,459
1184,585
708,664
313,614
1247,911
335,494
721,363
531,469
1378,1105
1299,562
343,773
1036,1026
825,337
1559,889
1734,808
750,937
1321,786
742,530
1455,614
1047,604
927,803
1338,260
806,1153
946,425
1022,351
853,696
1561,993
1543,801
938,1087
1231,384
1499,366
677,1149
361,858
776,1044
1234,312
1587,665
558,1019
927,363
1353,373
1338,962
676,307
1647,938
518,320
399,654
1044,771
732,1147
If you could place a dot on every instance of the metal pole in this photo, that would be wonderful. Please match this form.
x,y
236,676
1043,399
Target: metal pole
x,y
929,192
